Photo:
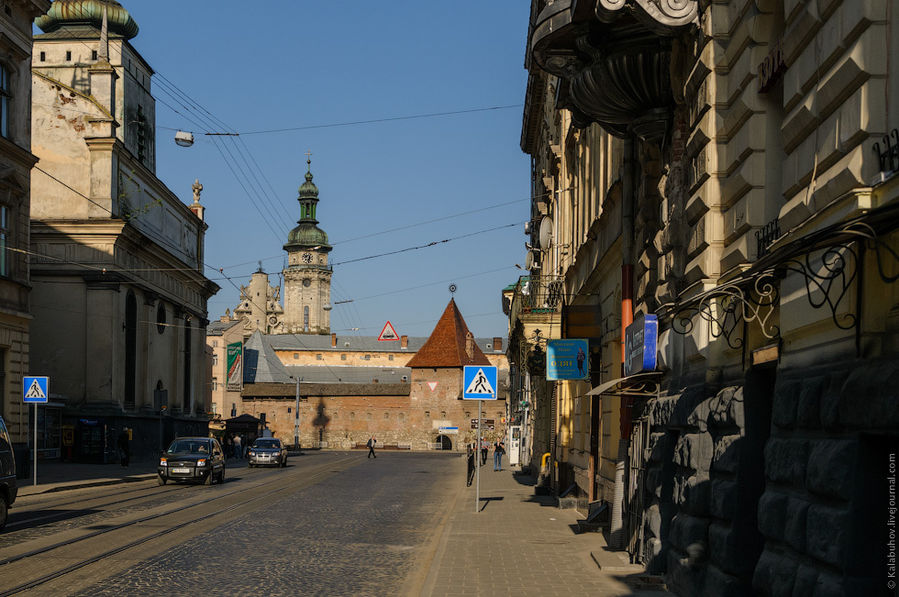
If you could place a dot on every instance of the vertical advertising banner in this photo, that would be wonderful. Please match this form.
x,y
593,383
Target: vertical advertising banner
x,y
567,359
235,366
641,345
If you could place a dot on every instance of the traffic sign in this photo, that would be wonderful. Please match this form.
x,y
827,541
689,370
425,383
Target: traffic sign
x,y
35,389
479,382
388,334
489,424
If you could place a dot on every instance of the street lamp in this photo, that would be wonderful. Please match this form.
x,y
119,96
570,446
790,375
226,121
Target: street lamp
x,y
296,417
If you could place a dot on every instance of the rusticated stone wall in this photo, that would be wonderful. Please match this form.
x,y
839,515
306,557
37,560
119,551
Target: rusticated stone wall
x,y
826,464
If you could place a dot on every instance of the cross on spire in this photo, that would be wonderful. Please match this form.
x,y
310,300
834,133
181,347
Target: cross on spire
x,y
308,160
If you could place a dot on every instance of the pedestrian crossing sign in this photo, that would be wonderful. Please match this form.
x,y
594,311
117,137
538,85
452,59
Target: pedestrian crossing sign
x,y
479,382
35,389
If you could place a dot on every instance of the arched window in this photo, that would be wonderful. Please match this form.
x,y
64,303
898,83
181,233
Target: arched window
x,y
130,349
187,372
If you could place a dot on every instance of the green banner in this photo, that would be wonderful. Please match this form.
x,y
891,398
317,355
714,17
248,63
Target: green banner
x,y
235,366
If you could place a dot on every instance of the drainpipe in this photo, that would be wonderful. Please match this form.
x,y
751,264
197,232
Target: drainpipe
x,y
618,540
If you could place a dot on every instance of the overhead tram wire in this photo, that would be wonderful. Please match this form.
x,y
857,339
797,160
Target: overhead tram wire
x,y
240,147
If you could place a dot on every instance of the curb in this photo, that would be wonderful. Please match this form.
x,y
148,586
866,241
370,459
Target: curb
x,y
24,491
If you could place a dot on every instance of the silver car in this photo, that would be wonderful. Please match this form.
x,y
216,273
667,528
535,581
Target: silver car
x,y
267,451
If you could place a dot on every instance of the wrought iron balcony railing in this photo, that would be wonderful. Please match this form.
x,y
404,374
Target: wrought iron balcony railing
x,y
538,294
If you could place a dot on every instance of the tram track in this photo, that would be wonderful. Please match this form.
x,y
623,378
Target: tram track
x,y
310,477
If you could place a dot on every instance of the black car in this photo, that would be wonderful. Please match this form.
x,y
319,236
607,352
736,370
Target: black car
x,y
8,487
267,451
192,459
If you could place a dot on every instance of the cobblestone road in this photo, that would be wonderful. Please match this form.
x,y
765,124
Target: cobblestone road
x,y
355,533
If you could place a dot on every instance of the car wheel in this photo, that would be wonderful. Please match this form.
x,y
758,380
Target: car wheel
x,y
222,476
209,478
284,462
4,513
249,465
161,480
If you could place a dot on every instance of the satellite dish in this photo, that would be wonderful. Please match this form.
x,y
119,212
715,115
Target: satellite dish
x,y
529,264
546,232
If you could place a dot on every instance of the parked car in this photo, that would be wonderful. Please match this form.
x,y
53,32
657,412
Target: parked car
x,y
8,487
192,459
267,451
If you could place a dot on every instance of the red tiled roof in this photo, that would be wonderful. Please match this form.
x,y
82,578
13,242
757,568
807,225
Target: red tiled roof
x,y
446,346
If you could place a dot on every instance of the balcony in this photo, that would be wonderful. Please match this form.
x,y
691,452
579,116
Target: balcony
x,y
537,296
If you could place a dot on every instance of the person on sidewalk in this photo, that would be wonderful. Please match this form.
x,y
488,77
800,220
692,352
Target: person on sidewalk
x,y
498,450
470,465
238,450
371,447
484,447
124,448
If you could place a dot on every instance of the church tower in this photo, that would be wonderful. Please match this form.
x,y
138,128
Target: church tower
x,y
307,278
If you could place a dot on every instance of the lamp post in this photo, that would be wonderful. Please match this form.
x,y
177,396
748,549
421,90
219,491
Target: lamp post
x,y
296,417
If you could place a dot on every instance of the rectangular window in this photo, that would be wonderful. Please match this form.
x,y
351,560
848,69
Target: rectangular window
x,y
390,357
43,56
5,96
367,357
215,386
296,355
215,343
68,55
93,54
215,359
343,357
318,357
262,418
4,240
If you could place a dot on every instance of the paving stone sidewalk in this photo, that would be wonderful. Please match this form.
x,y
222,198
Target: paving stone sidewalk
x,y
518,543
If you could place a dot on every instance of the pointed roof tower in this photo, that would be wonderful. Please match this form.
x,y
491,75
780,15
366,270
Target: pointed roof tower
x,y
450,344
307,234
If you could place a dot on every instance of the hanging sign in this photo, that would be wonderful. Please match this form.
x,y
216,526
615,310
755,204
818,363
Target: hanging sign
x,y
641,345
567,359
388,334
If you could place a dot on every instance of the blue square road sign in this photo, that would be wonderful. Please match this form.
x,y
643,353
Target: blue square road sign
x,y
35,389
479,382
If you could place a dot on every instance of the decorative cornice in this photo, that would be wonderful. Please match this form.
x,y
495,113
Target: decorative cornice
x,y
657,15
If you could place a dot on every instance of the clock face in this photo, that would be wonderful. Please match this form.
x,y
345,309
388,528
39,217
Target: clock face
x,y
273,320
307,257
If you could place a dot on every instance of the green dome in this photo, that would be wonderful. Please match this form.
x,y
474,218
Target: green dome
x,y
306,236
308,190
88,12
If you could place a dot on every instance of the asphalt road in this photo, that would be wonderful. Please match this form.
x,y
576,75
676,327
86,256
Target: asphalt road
x,y
330,523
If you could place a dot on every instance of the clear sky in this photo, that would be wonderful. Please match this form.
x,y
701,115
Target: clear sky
x,y
384,186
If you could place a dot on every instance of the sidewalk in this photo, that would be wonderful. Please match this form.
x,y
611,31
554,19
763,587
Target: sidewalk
x,y
522,544
58,476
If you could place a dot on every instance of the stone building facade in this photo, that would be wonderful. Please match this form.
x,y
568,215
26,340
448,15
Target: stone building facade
x,y
407,393
16,162
730,168
119,294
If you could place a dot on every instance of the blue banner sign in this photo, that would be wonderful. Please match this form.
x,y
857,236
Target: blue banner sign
x,y
641,345
568,359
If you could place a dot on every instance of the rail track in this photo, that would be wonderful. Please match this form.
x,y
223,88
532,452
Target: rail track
x,y
167,521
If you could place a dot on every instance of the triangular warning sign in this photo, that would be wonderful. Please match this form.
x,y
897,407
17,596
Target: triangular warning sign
x,y
388,334
432,385
479,384
35,391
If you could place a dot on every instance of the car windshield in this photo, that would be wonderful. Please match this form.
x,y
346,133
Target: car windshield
x,y
189,446
267,443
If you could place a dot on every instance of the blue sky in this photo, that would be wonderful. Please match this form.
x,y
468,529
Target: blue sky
x,y
272,65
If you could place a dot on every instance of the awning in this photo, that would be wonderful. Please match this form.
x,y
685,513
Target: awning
x,y
640,384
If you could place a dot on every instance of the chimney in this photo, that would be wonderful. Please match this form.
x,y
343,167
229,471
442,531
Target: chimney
x,y
333,340
497,344
404,341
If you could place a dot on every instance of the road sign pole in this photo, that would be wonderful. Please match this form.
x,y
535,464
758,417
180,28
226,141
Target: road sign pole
x,y
477,463
35,443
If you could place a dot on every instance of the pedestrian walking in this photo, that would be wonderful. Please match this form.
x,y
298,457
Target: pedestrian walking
x,y
484,447
498,450
238,451
371,447
229,447
470,465
124,448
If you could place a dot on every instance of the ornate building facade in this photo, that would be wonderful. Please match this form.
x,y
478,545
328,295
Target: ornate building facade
x,y
729,168
16,162
119,293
